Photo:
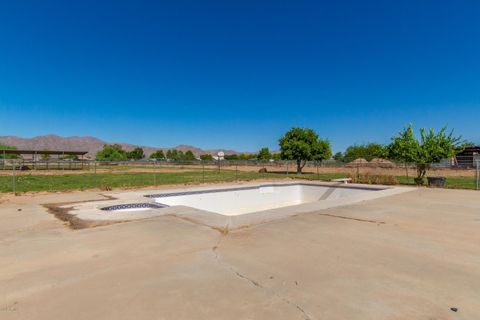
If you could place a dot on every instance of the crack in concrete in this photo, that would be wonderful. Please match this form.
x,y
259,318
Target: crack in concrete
x,y
223,230
305,315
350,218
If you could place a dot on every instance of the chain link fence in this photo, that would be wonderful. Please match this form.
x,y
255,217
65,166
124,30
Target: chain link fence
x,y
51,175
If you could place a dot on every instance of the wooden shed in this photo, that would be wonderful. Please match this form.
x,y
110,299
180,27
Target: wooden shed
x,y
465,158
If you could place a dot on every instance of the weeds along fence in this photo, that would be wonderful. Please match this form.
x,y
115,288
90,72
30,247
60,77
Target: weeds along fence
x,y
51,175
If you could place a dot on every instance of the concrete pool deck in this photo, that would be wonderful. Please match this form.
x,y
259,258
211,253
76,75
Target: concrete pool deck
x,y
413,255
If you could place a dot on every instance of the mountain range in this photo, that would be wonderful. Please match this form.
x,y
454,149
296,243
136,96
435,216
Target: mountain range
x,y
90,144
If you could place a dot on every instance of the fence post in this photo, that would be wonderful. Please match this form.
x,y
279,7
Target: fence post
x,y
95,174
287,168
13,179
478,173
236,171
318,174
203,171
155,172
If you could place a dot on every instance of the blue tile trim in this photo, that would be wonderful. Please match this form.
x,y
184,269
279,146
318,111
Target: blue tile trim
x,y
173,194
145,205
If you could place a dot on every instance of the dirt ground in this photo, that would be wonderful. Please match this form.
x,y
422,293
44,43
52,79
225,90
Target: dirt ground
x,y
414,255
397,171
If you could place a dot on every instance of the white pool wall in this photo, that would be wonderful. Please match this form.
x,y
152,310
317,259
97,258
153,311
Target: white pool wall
x,y
237,202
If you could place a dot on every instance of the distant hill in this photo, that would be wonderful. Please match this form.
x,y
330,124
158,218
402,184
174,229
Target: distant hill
x,y
90,144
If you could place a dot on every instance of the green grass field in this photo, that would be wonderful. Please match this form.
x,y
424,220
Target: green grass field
x,y
450,183
106,181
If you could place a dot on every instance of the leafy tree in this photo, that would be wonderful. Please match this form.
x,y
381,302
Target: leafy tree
x,y
276,156
302,145
431,148
366,151
136,154
174,155
231,157
264,154
206,157
241,156
338,156
404,147
180,155
111,152
189,156
8,156
246,156
169,154
159,155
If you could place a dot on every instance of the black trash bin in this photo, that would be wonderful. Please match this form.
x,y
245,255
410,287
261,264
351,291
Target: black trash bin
x,y
436,181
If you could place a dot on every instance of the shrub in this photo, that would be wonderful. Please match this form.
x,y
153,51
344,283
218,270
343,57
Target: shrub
x,y
368,178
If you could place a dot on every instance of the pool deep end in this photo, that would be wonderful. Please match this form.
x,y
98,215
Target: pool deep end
x,y
242,200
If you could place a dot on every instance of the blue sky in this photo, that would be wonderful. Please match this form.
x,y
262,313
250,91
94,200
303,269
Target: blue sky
x,y
238,74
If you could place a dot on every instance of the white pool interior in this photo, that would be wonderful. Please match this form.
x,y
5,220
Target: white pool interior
x,y
238,201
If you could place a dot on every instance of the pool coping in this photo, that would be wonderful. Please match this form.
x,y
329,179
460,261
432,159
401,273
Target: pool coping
x,y
257,186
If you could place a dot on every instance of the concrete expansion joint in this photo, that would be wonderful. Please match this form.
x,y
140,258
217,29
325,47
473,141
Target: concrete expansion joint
x,y
350,218
256,284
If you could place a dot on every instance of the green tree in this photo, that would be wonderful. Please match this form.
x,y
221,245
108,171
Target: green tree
x,y
276,156
231,157
159,155
404,147
180,155
174,155
111,152
366,151
206,157
302,145
338,156
264,154
189,156
8,156
246,156
431,148
136,154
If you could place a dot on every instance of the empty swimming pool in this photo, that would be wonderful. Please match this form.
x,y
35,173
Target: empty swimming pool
x,y
242,200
